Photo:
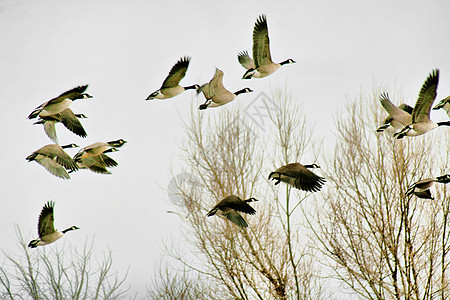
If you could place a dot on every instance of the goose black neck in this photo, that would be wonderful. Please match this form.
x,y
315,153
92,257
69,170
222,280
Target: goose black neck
x,y
287,61
191,87
241,92
251,199
443,179
447,123
68,229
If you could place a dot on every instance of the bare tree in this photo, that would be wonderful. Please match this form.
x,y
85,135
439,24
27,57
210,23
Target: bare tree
x,y
170,284
59,273
379,242
225,156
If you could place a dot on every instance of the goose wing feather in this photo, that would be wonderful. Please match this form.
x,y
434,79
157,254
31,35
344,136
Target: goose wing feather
x,y
245,60
177,73
46,220
261,46
72,123
236,218
427,95
395,112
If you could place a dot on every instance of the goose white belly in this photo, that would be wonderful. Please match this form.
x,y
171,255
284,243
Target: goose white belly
x,y
56,108
50,238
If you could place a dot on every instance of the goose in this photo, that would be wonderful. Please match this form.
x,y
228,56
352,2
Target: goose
x,y
444,104
97,163
170,87
216,94
298,176
421,122
98,148
60,103
422,187
69,120
55,159
398,116
231,206
261,65
46,229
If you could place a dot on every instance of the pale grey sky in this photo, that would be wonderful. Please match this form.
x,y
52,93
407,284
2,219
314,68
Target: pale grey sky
x,y
125,49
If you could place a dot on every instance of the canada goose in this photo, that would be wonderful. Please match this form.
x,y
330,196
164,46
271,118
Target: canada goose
x,y
216,94
55,159
298,176
422,187
97,163
170,87
60,103
421,122
444,104
46,228
98,148
68,118
398,116
231,206
261,65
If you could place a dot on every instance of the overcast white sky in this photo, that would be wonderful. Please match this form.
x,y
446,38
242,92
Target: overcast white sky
x,y
125,49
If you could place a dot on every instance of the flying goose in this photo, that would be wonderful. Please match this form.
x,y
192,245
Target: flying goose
x,y
298,176
55,159
421,122
422,187
170,87
60,103
97,163
68,118
398,116
216,94
98,148
261,65
46,229
444,104
231,206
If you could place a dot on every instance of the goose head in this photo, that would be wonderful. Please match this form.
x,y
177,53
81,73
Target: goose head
x,y
117,143
84,96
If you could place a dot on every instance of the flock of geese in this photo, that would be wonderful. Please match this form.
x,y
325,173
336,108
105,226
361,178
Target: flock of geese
x,y
402,121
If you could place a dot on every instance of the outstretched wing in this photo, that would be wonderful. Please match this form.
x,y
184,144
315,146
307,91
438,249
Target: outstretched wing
x,y
236,218
177,73
72,123
214,87
46,220
52,166
421,111
395,112
71,94
261,47
245,60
